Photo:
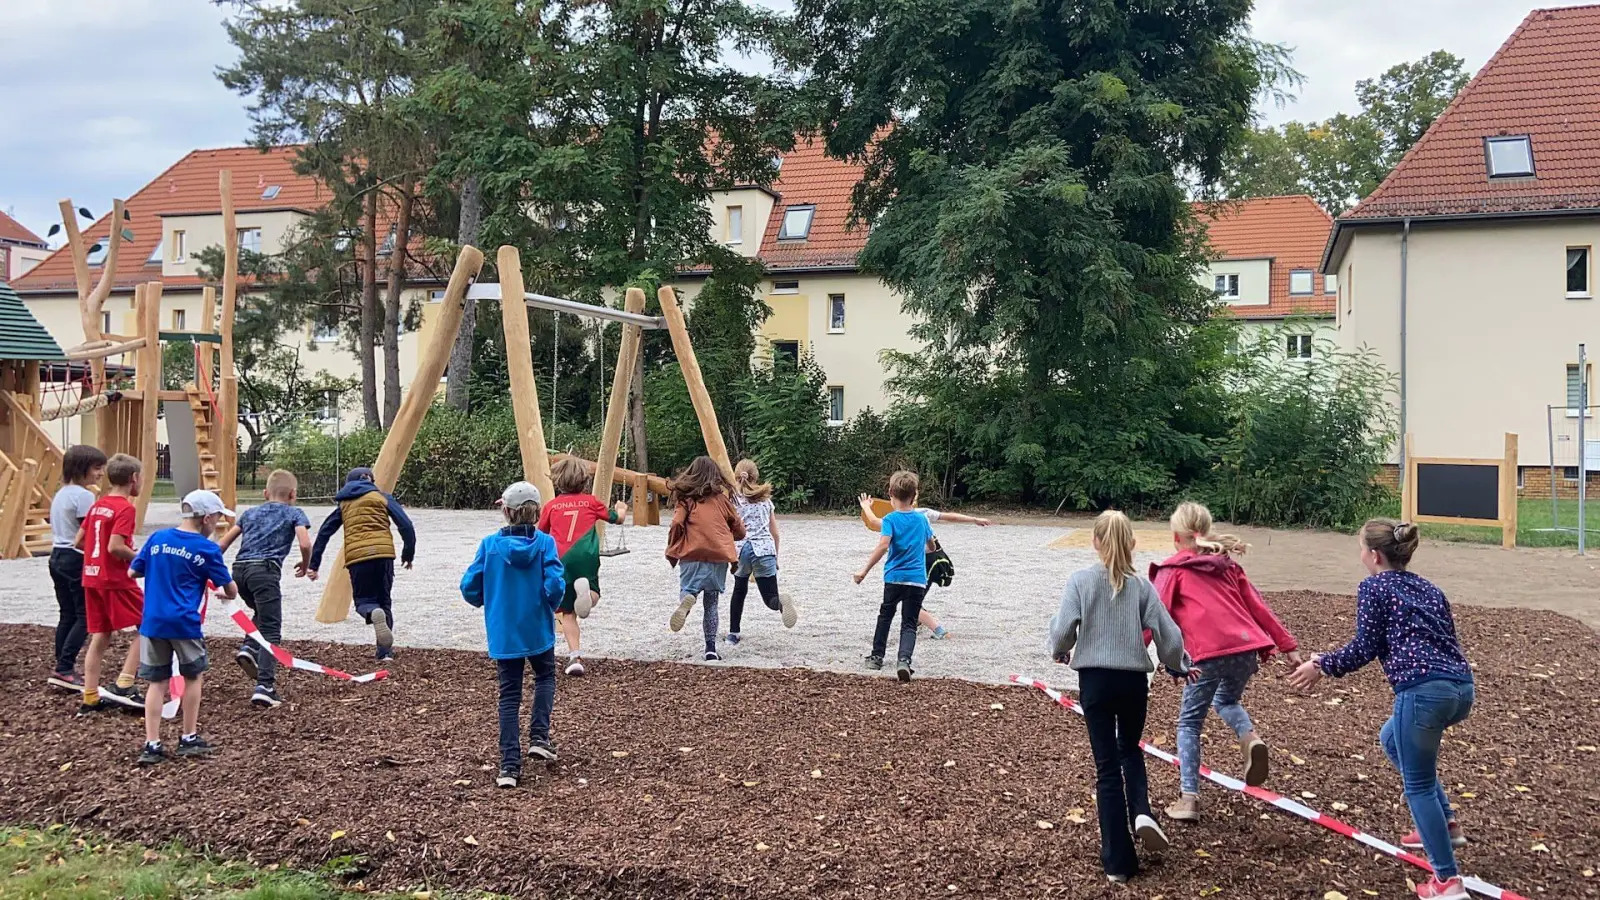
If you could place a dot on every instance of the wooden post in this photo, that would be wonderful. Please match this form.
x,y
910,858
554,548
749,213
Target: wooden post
x,y
605,463
683,348
227,449
335,605
149,382
524,387
14,515
1508,494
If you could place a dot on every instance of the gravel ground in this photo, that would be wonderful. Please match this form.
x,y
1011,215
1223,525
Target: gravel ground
x,y
1008,583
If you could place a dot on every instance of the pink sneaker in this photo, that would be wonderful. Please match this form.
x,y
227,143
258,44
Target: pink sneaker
x,y
1413,841
1435,889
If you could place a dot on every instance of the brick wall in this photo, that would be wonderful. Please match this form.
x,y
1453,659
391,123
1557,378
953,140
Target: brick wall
x,y
1389,476
1536,484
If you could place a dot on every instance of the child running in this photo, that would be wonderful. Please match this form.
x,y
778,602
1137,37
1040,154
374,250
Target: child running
x,y
366,513
81,467
1228,631
112,601
517,580
1404,622
700,543
176,563
268,531
758,552
905,536
1104,613
925,618
570,518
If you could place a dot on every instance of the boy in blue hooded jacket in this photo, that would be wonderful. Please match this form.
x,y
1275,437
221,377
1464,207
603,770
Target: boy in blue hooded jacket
x,y
517,579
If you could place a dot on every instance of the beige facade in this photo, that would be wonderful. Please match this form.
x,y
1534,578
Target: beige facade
x,y
1239,283
19,259
1490,325
184,236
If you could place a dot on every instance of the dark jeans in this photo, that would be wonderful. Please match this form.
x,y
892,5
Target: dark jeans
x,y
66,573
1114,703
371,585
766,584
544,700
1411,740
908,599
261,588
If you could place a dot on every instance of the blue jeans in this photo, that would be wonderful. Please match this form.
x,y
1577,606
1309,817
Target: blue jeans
x,y
1221,685
1411,740
544,700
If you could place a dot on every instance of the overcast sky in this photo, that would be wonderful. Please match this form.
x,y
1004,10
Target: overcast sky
x,y
99,96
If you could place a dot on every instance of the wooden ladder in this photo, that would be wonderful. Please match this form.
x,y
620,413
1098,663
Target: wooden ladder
x,y
30,474
205,436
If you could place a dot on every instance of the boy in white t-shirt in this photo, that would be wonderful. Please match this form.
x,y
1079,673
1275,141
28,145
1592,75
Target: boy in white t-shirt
x,y
81,466
924,618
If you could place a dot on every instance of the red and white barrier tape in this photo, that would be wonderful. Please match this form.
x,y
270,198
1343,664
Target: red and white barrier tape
x,y
1287,805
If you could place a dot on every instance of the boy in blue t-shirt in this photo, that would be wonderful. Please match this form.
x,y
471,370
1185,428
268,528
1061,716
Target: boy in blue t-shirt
x,y
176,563
266,533
906,533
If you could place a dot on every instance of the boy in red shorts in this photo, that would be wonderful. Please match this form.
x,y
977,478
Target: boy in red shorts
x,y
112,600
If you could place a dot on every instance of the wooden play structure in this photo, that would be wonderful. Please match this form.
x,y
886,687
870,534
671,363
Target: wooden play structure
x,y
1463,491
30,462
536,456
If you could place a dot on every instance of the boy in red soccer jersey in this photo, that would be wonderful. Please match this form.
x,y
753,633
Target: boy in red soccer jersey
x,y
570,518
112,600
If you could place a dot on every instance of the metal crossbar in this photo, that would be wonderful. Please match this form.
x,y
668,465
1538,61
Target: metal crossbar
x,y
557,304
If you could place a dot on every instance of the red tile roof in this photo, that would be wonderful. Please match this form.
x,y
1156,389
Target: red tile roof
x,y
1291,231
189,186
14,232
809,176
1541,83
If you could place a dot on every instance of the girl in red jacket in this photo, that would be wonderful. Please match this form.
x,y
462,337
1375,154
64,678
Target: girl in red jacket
x,y
1229,632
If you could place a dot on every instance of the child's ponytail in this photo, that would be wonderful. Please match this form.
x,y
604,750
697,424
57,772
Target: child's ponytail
x,y
748,483
1191,522
1113,540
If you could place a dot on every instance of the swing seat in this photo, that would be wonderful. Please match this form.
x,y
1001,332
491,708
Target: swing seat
x,y
614,551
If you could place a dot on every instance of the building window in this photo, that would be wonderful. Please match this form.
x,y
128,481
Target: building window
x,y
270,192
1509,157
436,296
1522,480
1578,391
1301,281
1349,288
1577,271
180,247
735,225
1228,287
98,250
155,255
836,314
1330,284
328,410
250,240
1299,346
786,287
835,406
180,320
786,353
796,223
388,243
324,334
105,323
1569,473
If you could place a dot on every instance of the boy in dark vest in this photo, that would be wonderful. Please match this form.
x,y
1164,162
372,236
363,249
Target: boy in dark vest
x,y
366,514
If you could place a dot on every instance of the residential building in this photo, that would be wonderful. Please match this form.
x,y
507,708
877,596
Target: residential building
x,y
1470,270
1267,252
20,249
172,219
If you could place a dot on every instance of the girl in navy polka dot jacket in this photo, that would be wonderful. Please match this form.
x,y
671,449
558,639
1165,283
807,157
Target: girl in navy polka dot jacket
x,y
1404,622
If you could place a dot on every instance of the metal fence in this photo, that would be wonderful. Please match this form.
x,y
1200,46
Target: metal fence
x,y
1572,470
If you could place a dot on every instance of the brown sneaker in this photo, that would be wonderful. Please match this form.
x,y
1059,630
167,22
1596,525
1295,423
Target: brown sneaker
x,y
1185,809
1255,763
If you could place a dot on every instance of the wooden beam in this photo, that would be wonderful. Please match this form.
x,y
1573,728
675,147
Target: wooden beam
x,y
1508,494
14,514
524,388
102,349
228,379
683,348
617,405
335,605
148,378
654,483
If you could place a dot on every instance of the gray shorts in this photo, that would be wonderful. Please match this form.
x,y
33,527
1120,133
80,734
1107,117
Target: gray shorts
x,y
155,658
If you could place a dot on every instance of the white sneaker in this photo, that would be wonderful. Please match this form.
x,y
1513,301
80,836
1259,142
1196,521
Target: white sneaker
x,y
681,614
575,668
584,601
791,614
1150,834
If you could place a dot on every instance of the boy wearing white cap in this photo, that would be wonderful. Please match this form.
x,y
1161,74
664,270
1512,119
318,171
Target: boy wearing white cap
x,y
516,578
175,564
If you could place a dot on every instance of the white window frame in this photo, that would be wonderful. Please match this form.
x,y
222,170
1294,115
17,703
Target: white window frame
x,y
244,244
1588,273
180,320
1572,411
786,287
836,395
1330,284
329,410
836,323
1304,349
1489,143
735,226
180,245
324,334
436,296
810,210
105,322
1311,282
1230,282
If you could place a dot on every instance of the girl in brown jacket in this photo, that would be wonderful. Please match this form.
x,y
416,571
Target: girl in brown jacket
x,y
700,543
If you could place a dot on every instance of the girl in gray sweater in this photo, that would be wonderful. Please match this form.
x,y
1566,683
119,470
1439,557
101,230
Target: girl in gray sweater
x,y
1105,612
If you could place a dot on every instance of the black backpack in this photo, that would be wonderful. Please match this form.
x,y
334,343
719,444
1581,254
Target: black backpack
x,y
941,570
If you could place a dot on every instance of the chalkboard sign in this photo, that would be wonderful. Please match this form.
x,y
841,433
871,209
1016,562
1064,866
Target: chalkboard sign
x,y
1458,491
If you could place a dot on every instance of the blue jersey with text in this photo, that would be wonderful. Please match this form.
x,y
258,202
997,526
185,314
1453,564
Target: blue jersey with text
x,y
176,565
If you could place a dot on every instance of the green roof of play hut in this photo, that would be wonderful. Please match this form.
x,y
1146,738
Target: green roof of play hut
x,y
21,335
